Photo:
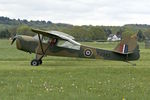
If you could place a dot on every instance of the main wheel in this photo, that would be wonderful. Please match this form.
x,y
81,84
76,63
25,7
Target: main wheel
x,y
34,62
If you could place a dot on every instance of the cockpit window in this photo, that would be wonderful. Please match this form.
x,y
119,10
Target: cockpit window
x,y
59,43
43,38
67,44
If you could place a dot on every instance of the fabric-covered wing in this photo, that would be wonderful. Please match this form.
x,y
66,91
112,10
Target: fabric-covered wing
x,y
56,34
61,34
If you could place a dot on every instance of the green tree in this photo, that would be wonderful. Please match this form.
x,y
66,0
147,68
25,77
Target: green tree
x,y
5,34
108,32
98,33
140,36
147,34
24,30
79,32
127,31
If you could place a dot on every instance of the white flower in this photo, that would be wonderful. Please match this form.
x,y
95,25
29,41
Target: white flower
x,y
99,82
30,81
61,87
46,89
73,84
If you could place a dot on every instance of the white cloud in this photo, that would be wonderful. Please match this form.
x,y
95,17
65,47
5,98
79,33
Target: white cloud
x,y
95,12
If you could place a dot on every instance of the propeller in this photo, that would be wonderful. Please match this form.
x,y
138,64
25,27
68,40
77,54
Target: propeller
x,y
14,38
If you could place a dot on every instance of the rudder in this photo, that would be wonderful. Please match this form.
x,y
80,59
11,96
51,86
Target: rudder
x,y
127,45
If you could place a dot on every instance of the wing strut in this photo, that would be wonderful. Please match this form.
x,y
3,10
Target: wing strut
x,y
40,43
38,59
41,56
43,52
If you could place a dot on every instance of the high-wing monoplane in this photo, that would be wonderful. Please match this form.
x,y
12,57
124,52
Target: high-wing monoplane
x,y
54,43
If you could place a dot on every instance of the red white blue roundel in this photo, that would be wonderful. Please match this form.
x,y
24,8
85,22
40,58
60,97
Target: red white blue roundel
x,y
88,52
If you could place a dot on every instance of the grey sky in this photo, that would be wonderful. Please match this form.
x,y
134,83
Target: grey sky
x,y
79,12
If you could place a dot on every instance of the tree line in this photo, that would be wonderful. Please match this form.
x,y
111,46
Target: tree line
x,y
10,27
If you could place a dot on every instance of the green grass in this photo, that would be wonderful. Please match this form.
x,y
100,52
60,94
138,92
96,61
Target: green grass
x,y
61,78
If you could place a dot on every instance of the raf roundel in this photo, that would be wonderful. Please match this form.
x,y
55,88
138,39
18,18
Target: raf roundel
x,y
88,52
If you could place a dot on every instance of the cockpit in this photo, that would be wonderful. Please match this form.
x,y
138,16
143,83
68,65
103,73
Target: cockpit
x,y
68,44
59,42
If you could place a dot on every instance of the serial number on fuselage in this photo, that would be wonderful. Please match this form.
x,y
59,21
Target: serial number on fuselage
x,y
104,54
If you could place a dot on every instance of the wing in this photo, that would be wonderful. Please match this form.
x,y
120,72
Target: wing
x,y
56,34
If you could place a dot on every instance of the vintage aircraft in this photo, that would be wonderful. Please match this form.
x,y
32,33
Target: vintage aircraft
x,y
54,43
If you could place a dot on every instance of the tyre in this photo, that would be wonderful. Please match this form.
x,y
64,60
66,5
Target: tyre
x,y
34,62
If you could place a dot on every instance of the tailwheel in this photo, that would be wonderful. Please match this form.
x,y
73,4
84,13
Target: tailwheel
x,y
35,62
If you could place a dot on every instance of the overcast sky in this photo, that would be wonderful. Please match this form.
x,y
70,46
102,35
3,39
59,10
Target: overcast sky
x,y
79,12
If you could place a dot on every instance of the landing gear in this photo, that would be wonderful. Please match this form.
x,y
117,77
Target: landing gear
x,y
40,62
36,62
38,58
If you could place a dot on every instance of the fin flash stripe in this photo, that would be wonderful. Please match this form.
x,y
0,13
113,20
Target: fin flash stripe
x,y
124,48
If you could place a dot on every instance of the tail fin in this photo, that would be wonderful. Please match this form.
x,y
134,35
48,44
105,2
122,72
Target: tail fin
x,y
127,45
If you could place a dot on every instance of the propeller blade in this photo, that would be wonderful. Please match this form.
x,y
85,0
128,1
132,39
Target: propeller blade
x,y
13,40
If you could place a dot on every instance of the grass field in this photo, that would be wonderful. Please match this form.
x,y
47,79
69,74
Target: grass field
x,y
71,78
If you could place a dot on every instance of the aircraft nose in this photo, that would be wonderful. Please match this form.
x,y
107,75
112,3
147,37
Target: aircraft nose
x,y
16,38
26,43
18,42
